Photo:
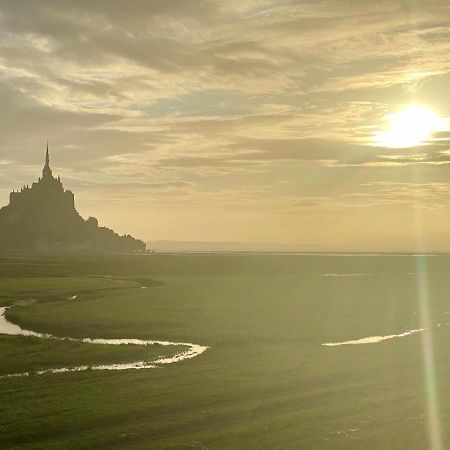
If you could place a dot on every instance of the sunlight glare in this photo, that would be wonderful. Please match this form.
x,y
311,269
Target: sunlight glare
x,y
411,127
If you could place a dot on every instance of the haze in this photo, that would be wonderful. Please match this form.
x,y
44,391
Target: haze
x,y
236,120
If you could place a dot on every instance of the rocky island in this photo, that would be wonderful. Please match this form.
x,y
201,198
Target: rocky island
x,y
42,218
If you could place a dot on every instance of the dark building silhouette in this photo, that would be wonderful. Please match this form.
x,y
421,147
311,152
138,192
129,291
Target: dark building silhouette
x,y
43,219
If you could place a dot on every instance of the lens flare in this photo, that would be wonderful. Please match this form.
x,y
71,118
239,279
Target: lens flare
x,y
428,363
432,404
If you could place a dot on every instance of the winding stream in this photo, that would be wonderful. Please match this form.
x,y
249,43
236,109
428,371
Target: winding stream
x,y
192,350
373,339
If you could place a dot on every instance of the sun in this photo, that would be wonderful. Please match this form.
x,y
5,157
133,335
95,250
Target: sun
x,y
411,127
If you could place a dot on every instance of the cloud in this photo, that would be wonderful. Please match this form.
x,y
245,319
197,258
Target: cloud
x,y
244,106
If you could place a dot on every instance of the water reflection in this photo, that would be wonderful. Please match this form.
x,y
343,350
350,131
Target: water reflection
x,y
373,339
193,350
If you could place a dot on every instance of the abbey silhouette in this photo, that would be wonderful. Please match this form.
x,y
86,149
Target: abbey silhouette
x,y
43,219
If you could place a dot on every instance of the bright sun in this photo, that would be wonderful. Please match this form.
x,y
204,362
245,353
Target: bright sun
x,y
411,127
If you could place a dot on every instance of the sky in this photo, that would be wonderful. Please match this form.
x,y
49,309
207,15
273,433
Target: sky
x,y
235,120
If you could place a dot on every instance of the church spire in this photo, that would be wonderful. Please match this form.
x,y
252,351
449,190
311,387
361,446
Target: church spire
x,y
47,172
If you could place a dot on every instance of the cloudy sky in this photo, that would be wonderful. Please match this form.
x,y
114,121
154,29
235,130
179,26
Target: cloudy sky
x,y
234,120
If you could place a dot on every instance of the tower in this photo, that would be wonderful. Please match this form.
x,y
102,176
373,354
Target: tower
x,y
46,171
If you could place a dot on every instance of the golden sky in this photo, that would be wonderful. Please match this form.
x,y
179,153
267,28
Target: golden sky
x,y
235,120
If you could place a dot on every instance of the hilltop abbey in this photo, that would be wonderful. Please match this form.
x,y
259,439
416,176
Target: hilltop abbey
x,y
43,219
47,190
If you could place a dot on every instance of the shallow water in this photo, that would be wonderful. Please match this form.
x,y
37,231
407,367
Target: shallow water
x,y
346,274
373,339
9,328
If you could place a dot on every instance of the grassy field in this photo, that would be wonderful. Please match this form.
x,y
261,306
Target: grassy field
x,y
266,382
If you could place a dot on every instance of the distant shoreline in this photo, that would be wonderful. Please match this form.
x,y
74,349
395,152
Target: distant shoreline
x,y
293,253
221,253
